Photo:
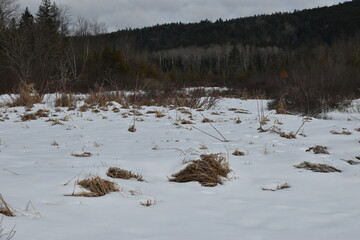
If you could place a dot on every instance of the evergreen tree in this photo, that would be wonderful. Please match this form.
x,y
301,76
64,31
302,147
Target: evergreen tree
x,y
26,20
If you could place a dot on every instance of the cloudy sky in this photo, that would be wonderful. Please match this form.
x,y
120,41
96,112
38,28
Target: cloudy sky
x,y
120,14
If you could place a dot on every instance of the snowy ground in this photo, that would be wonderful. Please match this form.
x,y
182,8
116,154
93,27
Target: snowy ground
x,y
35,175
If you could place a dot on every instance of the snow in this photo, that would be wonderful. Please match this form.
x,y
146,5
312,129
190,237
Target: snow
x,y
35,176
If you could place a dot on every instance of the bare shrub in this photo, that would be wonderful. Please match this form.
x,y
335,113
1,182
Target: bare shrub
x,y
208,171
344,132
115,172
148,203
317,167
27,96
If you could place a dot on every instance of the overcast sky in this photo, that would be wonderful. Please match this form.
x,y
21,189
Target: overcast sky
x,y
120,14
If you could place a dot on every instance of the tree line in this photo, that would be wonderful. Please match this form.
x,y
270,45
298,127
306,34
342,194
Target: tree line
x,y
312,52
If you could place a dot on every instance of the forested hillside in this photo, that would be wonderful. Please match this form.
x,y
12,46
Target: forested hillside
x,y
313,53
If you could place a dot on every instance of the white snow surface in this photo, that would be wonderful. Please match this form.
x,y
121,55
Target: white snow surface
x,y
35,176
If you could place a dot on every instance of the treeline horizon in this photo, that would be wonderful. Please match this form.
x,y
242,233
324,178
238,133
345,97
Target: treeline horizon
x,y
312,52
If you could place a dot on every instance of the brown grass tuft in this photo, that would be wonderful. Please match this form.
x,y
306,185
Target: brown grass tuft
x,y
115,172
281,107
289,135
206,120
5,209
317,167
278,187
208,171
97,186
84,154
238,153
318,149
147,203
132,128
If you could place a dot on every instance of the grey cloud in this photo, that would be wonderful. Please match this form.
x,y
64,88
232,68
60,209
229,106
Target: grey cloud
x,y
119,14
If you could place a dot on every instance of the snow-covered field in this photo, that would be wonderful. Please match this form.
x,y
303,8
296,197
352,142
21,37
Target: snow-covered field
x,y
37,170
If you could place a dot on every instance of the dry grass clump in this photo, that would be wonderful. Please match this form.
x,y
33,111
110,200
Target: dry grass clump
x,y
318,149
97,186
289,135
27,96
65,100
357,129
33,116
5,209
317,167
84,154
206,120
132,128
115,172
238,153
208,171
184,121
147,203
352,162
277,188
344,132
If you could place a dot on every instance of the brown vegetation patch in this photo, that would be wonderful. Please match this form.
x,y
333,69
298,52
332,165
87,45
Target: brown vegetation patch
x,y
242,111
132,128
184,121
5,208
277,188
208,171
84,154
116,172
357,129
103,98
159,114
289,135
33,116
97,187
238,153
352,162
318,149
206,120
344,132
317,167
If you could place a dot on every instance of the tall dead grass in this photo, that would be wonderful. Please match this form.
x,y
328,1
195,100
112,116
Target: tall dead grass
x,y
27,96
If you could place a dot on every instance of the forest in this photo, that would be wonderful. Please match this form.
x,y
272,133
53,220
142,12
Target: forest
x,y
308,55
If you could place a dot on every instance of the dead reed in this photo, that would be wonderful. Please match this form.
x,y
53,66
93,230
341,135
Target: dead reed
x,y
5,209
